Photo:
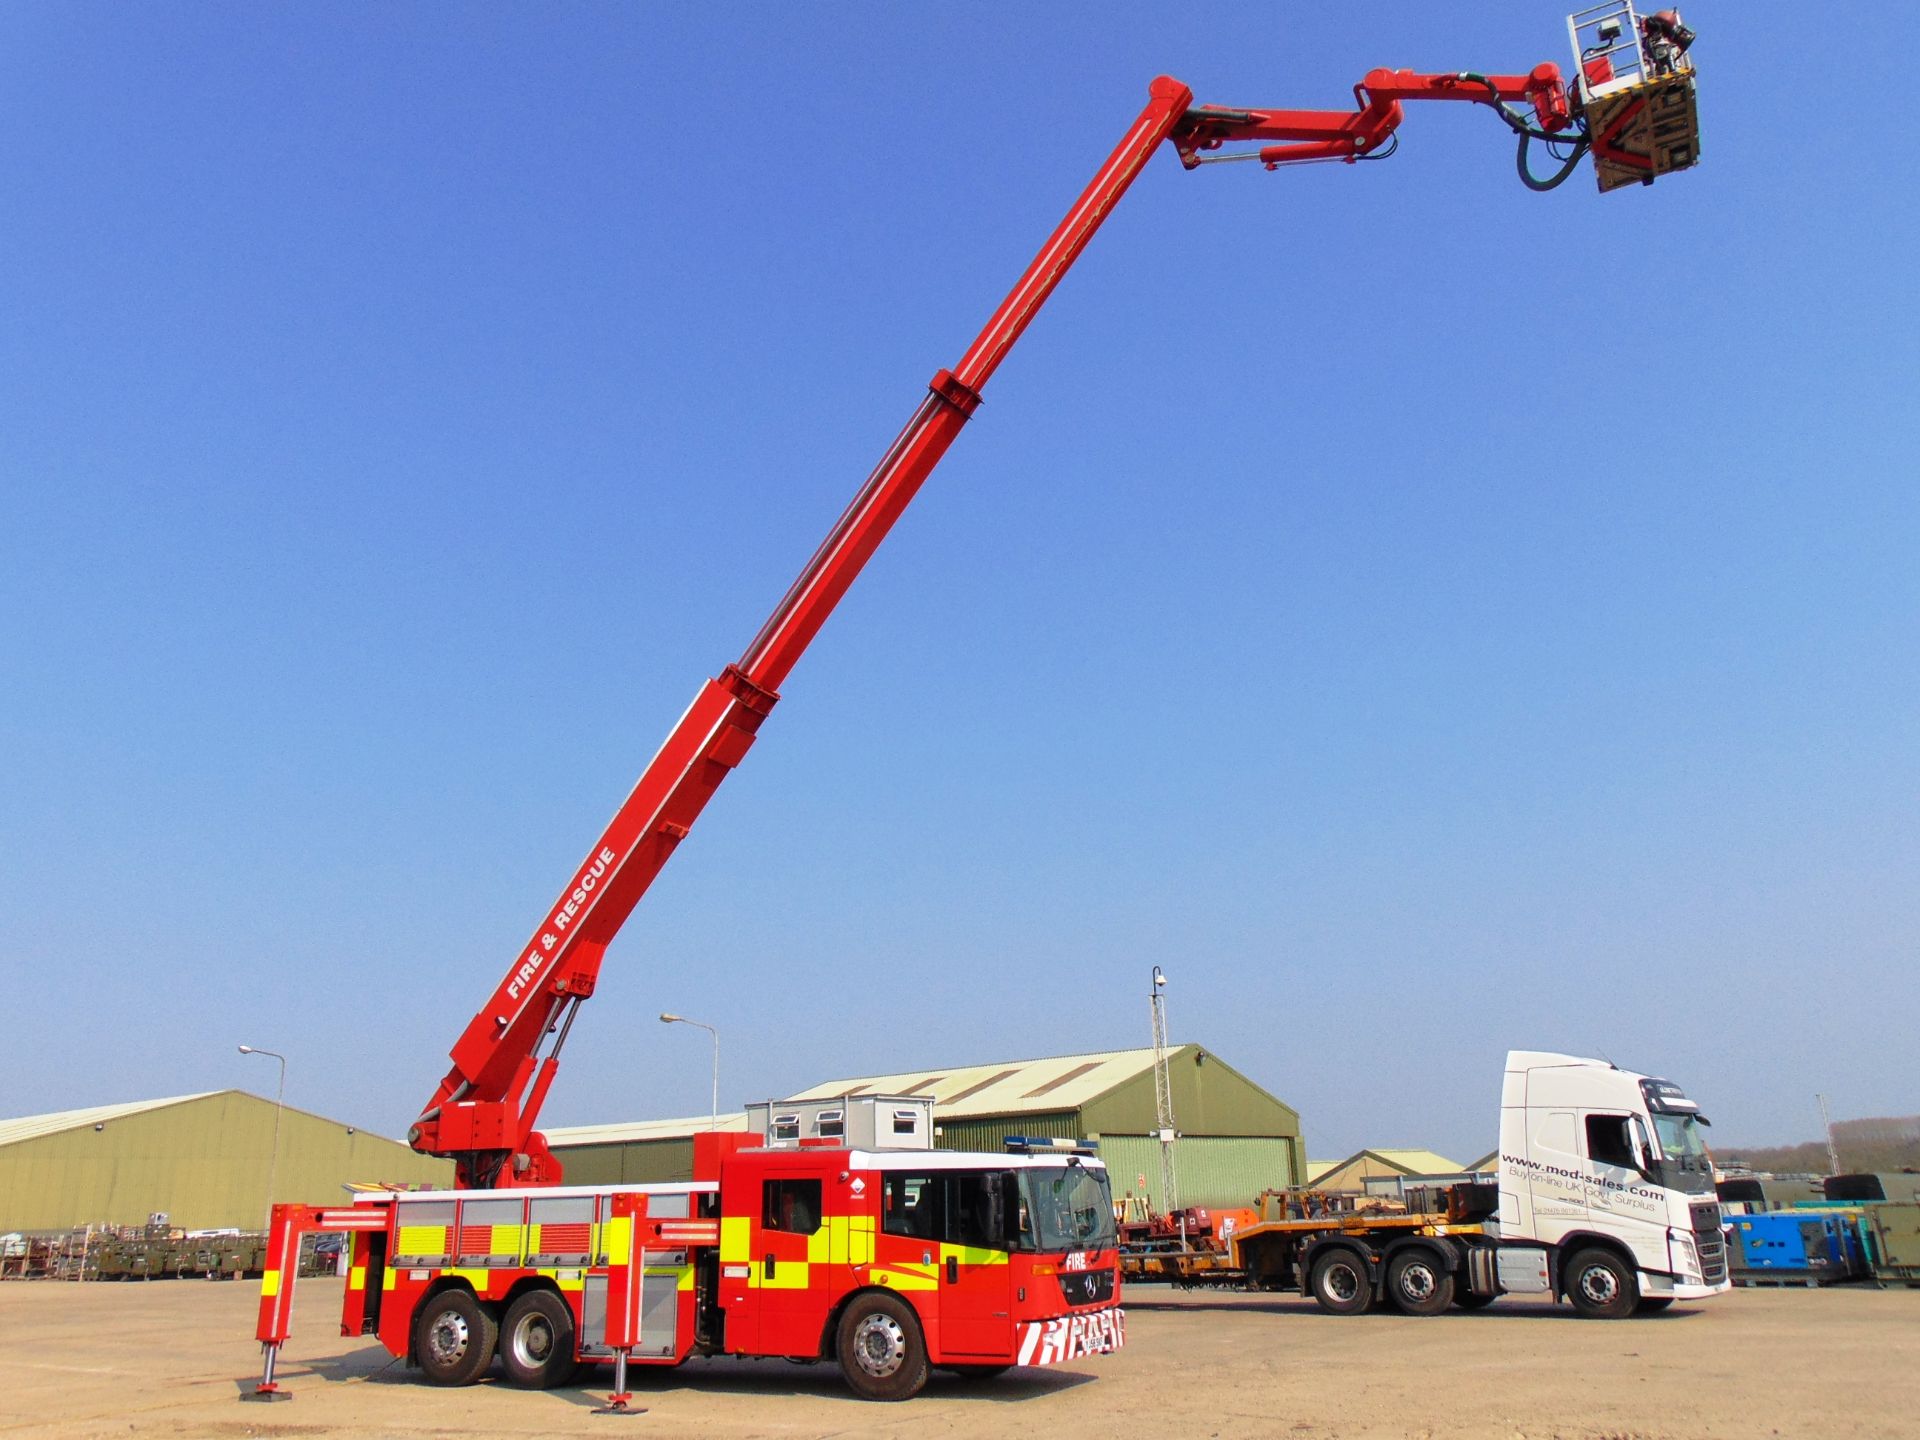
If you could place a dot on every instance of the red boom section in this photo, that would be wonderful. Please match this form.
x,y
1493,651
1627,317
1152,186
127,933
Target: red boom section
x,y
484,1111
1350,135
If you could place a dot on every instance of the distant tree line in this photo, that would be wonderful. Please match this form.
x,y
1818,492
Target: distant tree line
x,y
1881,1143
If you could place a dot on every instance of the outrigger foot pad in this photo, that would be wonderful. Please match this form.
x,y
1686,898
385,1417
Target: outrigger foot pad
x,y
617,1405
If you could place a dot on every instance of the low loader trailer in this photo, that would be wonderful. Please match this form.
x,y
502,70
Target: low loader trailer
x,y
1604,1198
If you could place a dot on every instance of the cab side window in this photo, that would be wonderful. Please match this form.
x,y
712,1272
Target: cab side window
x,y
958,1207
911,1205
791,1205
971,1210
1608,1141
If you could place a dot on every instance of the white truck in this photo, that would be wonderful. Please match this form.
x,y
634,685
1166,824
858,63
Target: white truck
x,y
1604,1199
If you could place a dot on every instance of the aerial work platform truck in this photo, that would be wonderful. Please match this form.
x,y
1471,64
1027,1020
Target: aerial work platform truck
x,y
512,1262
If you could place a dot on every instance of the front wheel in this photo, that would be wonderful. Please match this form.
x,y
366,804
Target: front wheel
x,y
1341,1283
536,1341
1418,1283
882,1353
1601,1285
453,1338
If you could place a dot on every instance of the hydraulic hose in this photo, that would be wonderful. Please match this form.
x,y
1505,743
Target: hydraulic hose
x,y
1547,182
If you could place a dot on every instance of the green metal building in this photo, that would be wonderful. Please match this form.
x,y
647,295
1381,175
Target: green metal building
x,y
1235,1139
638,1153
201,1160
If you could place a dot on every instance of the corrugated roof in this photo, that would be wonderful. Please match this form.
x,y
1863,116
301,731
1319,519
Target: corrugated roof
x,y
32,1127
1420,1162
1010,1087
637,1130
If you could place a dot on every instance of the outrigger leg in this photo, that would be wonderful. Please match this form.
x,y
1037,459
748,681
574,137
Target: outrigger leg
x,y
620,1402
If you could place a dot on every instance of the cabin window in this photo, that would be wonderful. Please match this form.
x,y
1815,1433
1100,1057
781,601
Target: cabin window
x,y
1609,1142
791,1205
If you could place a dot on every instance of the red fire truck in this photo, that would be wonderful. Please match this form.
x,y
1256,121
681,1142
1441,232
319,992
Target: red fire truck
x,y
895,1261
889,1259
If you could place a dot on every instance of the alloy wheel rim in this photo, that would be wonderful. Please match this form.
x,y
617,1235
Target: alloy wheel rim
x,y
879,1345
448,1338
533,1341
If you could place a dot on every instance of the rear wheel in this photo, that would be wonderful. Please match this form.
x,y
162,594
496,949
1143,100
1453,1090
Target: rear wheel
x,y
1418,1283
1600,1285
453,1338
882,1353
1340,1282
536,1341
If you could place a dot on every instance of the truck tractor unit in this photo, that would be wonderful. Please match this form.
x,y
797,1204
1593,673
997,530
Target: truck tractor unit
x,y
1604,1199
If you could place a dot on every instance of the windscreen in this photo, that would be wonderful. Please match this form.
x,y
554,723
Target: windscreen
x,y
1680,1138
1065,1207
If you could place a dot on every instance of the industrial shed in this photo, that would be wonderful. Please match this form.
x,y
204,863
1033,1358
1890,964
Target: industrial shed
x,y
636,1153
1235,1139
202,1160
1383,1171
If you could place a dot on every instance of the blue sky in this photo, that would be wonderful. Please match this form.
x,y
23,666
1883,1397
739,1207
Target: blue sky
x,y
1425,616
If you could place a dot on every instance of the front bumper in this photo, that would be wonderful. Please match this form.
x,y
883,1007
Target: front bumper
x,y
1071,1337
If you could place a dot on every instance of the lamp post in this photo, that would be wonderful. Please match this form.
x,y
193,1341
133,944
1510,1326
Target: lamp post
x,y
666,1019
279,1104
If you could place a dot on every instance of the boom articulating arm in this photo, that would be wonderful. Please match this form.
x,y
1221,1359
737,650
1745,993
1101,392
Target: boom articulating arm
x,y
483,1113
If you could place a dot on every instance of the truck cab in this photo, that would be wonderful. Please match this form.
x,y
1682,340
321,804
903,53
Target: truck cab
x,y
1606,1187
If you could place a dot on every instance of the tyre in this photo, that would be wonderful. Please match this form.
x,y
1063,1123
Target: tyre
x,y
537,1341
1418,1282
1341,1282
1600,1285
1652,1304
1467,1300
453,1338
882,1353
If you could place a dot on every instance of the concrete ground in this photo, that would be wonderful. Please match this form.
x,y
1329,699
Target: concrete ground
x,y
172,1357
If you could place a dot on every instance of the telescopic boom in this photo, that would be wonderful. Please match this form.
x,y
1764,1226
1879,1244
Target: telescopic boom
x,y
484,1112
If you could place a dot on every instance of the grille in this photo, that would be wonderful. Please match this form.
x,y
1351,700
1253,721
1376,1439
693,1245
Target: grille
x,y
1087,1287
1713,1256
1711,1244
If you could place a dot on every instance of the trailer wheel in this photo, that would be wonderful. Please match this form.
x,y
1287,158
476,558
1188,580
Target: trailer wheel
x,y
882,1353
1341,1283
536,1341
453,1338
1600,1285
1418,1283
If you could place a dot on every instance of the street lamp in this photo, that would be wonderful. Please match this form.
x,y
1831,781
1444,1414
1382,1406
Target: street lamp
x,y
666,1019
279,1104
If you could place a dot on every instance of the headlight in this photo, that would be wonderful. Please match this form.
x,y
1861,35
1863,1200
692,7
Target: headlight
x,y
1686,1256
